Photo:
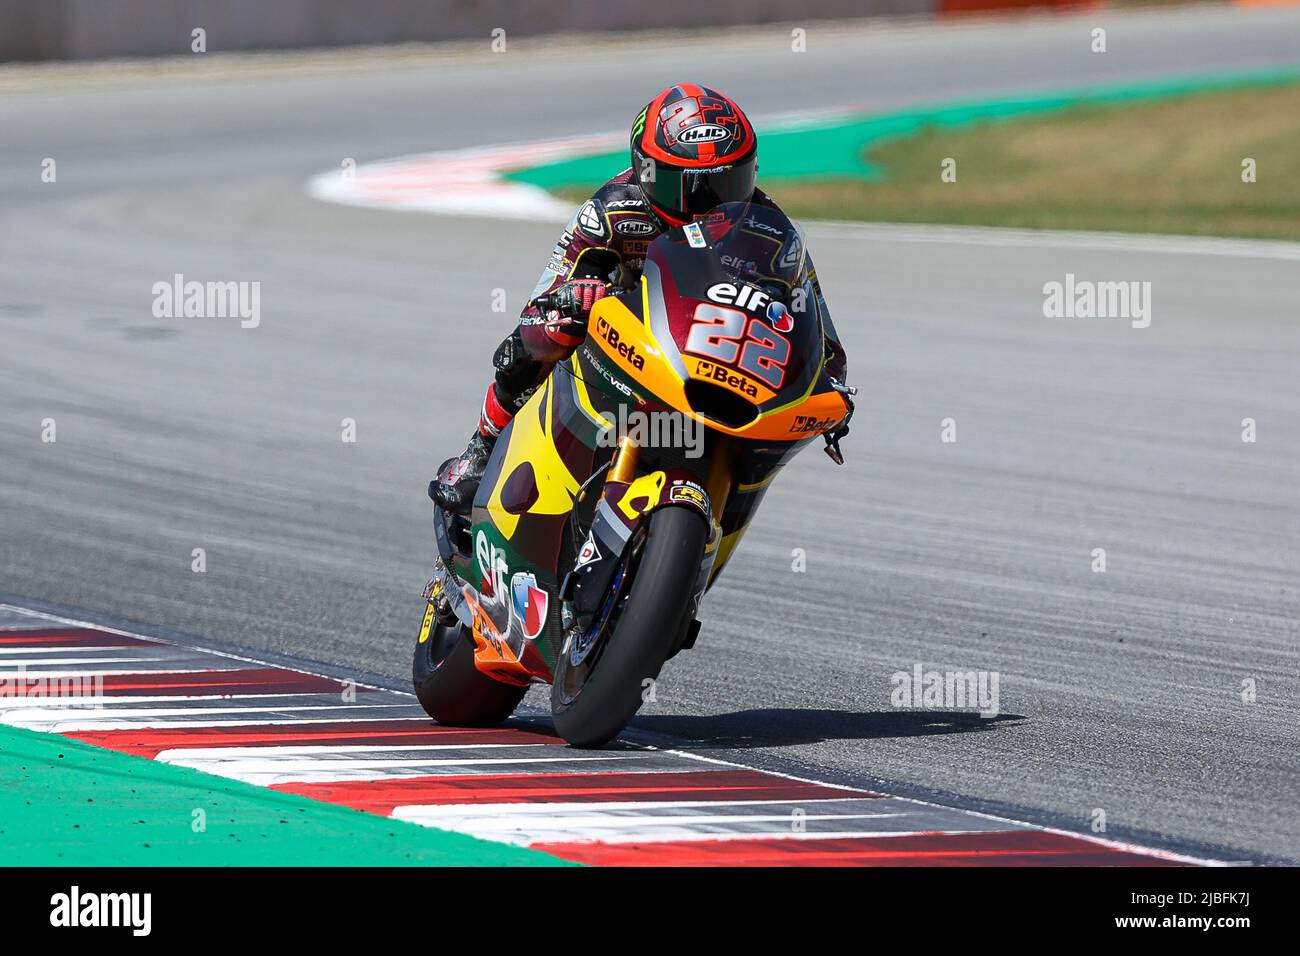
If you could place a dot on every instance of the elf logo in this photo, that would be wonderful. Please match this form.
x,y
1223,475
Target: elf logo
x,y
742,296
74,908
703,133
492,566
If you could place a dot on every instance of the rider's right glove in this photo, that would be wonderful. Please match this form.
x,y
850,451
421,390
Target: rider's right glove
x,y
573,301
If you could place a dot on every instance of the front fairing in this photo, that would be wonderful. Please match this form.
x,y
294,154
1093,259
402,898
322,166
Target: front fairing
x,y
725,327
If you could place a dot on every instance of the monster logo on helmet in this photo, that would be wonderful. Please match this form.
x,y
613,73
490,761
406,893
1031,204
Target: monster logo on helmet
x,y
692,149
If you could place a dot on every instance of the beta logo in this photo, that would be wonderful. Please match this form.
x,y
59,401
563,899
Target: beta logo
x,y
723,376
626,350
803,424
703,133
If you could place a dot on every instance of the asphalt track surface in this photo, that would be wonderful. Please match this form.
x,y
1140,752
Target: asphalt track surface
x,y
1119,691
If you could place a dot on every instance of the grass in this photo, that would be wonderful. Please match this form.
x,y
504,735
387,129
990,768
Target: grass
x,y
66,803
1171,166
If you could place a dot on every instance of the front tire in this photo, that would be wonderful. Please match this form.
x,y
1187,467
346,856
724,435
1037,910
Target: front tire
x,y
451,689
591,703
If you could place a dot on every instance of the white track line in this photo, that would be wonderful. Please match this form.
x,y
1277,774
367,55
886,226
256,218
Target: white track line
x,y
338,751
627,821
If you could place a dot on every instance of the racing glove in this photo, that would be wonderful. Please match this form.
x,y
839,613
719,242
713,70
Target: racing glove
x,y
572,302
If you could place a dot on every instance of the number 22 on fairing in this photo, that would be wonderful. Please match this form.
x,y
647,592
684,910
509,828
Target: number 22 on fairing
x,y
717,334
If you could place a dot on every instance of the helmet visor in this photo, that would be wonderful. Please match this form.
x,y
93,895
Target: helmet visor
x,y
686,193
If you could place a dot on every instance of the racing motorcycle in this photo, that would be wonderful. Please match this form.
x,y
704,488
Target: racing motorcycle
x,y
596,533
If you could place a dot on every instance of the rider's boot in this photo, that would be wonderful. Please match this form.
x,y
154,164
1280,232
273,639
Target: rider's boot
x,y
457,482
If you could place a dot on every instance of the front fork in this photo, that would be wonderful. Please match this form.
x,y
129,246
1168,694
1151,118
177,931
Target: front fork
x,y
626,501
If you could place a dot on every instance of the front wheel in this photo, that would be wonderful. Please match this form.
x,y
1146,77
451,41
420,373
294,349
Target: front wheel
x,y
597,692
451,689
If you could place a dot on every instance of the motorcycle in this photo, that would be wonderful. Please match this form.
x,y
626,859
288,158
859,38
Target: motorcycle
x,y
619,492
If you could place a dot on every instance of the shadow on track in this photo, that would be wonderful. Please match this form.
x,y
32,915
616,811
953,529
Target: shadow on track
x,y
784,726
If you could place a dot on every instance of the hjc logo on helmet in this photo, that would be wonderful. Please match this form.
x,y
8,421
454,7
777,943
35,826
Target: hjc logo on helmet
x,y
703,133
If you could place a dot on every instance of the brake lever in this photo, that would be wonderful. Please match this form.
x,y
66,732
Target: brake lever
x,y
832,448
833,436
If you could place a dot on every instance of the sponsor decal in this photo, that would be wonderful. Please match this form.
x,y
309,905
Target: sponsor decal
x,y
590,219
626,350
690,493
780,318
793,252
744,265
740,295
619,384
492,567
634,227
588,553
761,226
724,376
694,236
427,623
734,338
624,204
811,423
703,133
529,603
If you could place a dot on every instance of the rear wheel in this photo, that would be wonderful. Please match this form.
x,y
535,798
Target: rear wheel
x,y
599,683
451,689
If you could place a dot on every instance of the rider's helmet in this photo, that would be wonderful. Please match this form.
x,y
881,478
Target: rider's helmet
x,y
692,149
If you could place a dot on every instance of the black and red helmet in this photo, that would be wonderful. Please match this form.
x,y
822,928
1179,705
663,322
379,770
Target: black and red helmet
x,y
692,149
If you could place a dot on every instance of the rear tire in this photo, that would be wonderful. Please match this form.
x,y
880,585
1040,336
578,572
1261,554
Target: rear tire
x,y
451,689
650,623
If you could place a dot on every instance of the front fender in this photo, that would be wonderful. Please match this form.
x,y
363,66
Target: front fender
x,y
622,508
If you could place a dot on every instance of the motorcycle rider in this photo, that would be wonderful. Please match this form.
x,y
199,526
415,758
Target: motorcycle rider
x,y
692,149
